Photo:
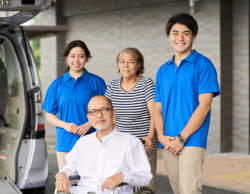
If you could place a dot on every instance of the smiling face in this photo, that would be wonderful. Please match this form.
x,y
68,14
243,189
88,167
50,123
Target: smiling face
x,y
181,39
76,59
101,121
128,65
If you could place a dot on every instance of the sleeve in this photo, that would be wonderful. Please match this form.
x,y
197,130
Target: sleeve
x,y
108,91
207,79
71,158
101,87
157,88
149,89
139,173
50,101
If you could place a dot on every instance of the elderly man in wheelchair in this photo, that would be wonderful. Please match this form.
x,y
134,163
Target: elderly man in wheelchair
x,y
106,158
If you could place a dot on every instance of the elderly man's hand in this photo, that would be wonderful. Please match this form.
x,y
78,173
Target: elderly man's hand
x,y
111,182
62,182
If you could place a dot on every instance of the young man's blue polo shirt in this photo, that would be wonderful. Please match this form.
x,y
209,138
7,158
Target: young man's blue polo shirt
x,y
178,89
68,98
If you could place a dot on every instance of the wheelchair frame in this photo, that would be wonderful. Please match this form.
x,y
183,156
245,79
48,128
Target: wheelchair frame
x,y
141,190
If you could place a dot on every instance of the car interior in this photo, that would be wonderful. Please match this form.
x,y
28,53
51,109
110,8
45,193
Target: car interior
x,y
12,108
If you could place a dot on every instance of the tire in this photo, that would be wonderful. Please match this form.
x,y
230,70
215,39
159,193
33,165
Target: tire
x,y
40,190
144,190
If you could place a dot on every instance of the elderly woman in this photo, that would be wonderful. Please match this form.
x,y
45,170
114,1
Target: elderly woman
x,y
132,96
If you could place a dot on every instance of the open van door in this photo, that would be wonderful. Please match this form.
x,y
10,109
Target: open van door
x,y
22,10
23,153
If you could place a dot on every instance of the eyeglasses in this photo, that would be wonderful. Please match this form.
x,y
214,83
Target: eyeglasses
x,y
103,110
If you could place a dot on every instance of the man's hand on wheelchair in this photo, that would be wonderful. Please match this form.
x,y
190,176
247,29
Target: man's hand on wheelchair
x,y
111,182
62,182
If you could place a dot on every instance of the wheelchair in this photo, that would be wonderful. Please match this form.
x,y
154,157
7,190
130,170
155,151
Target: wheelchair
x,y
141,190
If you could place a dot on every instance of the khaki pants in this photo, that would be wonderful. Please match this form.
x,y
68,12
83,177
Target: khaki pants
x,y
185,170
61,159
152,157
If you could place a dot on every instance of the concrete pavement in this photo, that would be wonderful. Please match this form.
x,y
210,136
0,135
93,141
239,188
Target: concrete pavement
x,y
229,172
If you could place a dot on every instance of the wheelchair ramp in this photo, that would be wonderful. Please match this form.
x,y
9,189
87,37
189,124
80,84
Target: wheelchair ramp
x,y
8,187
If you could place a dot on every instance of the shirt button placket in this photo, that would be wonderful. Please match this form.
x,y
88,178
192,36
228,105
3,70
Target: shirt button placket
x,y
74,82
175,70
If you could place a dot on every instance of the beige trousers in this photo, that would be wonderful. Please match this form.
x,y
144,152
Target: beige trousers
x,y
61,159
152,157
185,170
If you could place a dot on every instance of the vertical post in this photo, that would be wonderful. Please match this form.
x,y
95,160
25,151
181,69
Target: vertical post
x,y
226,75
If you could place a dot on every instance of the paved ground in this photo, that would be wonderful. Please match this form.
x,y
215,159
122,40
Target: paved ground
x,y
222,173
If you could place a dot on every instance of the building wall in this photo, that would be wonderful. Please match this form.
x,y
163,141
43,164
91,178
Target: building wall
x,y
241,76
48,60
109,26
208,43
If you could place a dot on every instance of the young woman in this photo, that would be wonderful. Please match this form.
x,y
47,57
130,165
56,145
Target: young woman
x,y
67,98
132,96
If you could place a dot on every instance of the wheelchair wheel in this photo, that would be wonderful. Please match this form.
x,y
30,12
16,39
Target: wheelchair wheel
x,y
144,190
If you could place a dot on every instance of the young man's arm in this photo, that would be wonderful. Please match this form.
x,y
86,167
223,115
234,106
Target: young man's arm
x,y
194,123
159,125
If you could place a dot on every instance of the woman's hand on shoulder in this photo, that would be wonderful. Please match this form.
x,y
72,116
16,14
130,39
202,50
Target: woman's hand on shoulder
x,y
83,129
148,143
71,127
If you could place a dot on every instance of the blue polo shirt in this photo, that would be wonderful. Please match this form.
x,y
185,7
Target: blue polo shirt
x,y
68,98
178,89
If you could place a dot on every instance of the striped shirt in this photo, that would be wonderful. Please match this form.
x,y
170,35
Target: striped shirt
x,y
132,113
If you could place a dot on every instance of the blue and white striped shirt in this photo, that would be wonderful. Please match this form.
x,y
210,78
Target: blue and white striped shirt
x,y
132,113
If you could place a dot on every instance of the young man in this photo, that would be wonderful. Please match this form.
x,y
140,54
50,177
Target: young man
x,y
185,87
106,158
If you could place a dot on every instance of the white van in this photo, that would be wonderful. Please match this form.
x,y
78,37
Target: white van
x,y
23,153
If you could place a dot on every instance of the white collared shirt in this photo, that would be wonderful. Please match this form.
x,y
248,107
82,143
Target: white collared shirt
x,y
95,161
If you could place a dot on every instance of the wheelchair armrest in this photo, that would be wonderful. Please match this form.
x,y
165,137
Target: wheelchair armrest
x,y
120,185
142,190
74,179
